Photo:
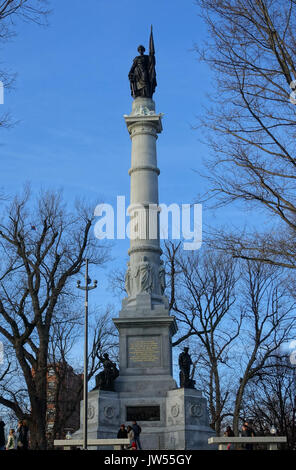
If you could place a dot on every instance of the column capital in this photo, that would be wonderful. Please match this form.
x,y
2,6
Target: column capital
x,y
151,121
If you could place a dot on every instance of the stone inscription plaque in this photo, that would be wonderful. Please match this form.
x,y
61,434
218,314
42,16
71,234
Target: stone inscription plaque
x,y
143,413
144,351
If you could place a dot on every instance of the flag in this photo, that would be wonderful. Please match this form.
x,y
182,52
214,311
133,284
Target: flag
x,y
152,73
151,44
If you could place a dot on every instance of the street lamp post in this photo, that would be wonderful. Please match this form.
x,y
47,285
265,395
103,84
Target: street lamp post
x,y
273,430
86,288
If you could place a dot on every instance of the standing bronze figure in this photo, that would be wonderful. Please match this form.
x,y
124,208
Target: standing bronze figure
x,y
142,75
185,363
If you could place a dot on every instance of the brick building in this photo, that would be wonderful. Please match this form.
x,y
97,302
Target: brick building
x,y
64,392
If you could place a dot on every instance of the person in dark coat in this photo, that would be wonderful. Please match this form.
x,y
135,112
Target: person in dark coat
x,y
137,429
23,431
229,433
248,424
2,435
122,434
247,431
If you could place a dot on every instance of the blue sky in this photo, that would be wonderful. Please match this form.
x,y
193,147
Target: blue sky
x,y
72,91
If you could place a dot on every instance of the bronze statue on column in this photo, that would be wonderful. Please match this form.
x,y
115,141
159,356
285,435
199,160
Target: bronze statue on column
x,y
142,75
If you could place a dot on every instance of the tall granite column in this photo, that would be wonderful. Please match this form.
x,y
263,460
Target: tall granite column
x,y
171,417
144,270
144,324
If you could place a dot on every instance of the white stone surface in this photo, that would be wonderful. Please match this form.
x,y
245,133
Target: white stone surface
x,y
144,269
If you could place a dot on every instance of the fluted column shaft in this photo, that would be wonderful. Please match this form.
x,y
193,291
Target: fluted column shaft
x,y
143,274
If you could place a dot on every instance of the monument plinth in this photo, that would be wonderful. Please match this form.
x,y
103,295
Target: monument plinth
x,y
145,389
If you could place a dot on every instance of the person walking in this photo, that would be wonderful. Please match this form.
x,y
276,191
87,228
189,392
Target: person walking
x,y
2,435
137,430
11,440
131,436
122,434
23,430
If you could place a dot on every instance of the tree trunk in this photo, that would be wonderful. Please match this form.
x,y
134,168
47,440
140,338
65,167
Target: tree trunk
x,y
237,407
39,401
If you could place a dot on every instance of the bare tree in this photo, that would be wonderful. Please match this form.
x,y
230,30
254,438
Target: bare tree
x,y
28,10
251,122
270,400
67,391
64,387
116,282
32,10
235,317
12,384
202,298
104,340
269,322
42,247
64,368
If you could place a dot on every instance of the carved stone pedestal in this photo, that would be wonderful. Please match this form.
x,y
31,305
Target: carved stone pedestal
x,y
177,420
145,390
103,417
187,422
145,332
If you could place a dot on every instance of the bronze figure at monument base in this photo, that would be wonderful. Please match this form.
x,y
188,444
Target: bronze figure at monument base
x,y
105,379
185,363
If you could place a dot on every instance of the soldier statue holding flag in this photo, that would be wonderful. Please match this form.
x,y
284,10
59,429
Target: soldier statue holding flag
x,y
142,74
